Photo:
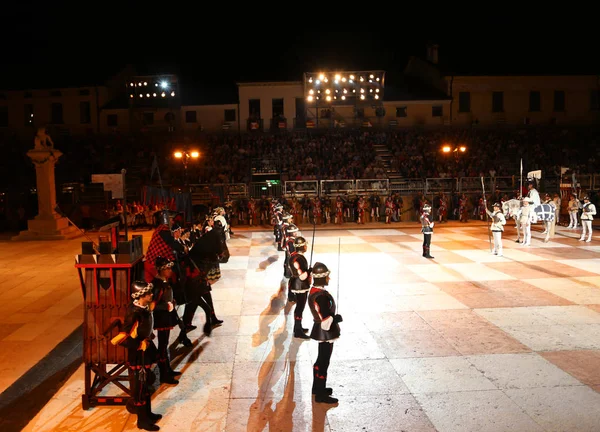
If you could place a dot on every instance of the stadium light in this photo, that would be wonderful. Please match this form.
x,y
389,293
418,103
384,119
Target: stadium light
x,y
463,149
178,154
195,154
446,149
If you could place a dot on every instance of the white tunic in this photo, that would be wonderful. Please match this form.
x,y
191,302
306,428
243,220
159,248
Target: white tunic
x,y
589,211
535,196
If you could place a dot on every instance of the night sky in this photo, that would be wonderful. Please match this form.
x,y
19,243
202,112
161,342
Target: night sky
x,y
53,46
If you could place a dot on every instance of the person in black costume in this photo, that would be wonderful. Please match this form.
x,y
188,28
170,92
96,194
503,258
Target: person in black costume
x,y
325,330
299,284
165,317
136,336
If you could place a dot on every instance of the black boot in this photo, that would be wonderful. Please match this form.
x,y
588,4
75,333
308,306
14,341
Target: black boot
x,y
215,322
151,416
298,331
207,329
427,255
184,339
325,398
424,251
165,374
328,391
143,421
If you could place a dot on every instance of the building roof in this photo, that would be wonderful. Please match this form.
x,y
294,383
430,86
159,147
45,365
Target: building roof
x,y
120,102
407,88
209,96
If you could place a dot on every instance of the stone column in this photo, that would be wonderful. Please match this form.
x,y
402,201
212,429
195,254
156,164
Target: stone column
x,y
47,225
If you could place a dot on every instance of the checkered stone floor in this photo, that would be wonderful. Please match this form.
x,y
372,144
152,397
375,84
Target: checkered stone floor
x,y
465,342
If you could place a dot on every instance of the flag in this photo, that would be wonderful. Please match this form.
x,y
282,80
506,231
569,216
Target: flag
x,y
154,167
521,166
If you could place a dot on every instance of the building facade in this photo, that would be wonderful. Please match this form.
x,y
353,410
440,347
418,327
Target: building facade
x,y
424,96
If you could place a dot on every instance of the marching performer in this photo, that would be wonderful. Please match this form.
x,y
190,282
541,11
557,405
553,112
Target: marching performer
x,y
573,205
525,217
375,204
361,211
534,195
557,204
136,336
389,209
291,232
443,208
165,317
325,330
339,210
497,227
299,284
427,230
589,211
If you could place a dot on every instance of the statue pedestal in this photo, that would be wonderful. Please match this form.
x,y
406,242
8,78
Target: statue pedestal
x,y
47,225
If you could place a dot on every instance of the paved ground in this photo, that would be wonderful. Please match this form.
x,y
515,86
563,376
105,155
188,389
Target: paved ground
x,y
465,342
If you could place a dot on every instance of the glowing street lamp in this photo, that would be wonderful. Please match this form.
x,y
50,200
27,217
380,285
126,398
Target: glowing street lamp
x,y
185,157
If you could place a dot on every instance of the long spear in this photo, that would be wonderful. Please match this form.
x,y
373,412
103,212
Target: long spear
x,y
487,217
521,184
337,300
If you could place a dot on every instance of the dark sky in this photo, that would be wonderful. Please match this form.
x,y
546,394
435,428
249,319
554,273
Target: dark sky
x,y
52,45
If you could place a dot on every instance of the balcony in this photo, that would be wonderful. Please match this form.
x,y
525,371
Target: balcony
x,y
278,124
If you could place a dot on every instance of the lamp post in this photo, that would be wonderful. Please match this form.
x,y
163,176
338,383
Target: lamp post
x,y
457,150
185,156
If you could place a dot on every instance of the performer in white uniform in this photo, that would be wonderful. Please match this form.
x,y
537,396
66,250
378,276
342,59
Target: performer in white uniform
x,y
525,219
589,211
534,195
497,227
574,205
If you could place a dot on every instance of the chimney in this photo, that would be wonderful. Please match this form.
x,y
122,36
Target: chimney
x,y
432,53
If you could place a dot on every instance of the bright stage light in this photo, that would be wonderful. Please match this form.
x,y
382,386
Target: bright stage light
x,y
362,96
463,149
351,77
321,77
147,94
172,93
344,79
327,91
178,154
343,97
361,79
376,96
337,77
446,149
310,80
131,95
311,91
145,83
195,154
317,82
163,94
328,98
309,98
376,90
164,84
362,90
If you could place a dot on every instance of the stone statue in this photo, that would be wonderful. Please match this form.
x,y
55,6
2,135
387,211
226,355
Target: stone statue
x,y
42,140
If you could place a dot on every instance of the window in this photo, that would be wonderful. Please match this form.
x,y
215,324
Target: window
x,y
85,113
112,120
190,117
28,114
84,92
464,102
230,115
559,101
401,111
300,108
55,93
535,102
277,108
56,113
254,108
437,111
148,118
3,116
497,102
595,100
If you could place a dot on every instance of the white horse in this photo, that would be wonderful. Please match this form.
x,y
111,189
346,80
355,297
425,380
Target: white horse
x,y
542,213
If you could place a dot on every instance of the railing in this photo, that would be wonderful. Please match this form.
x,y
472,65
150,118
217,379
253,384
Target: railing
x,y
267,189
381,186
337,187
204,193
408,186
435,185
301,187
